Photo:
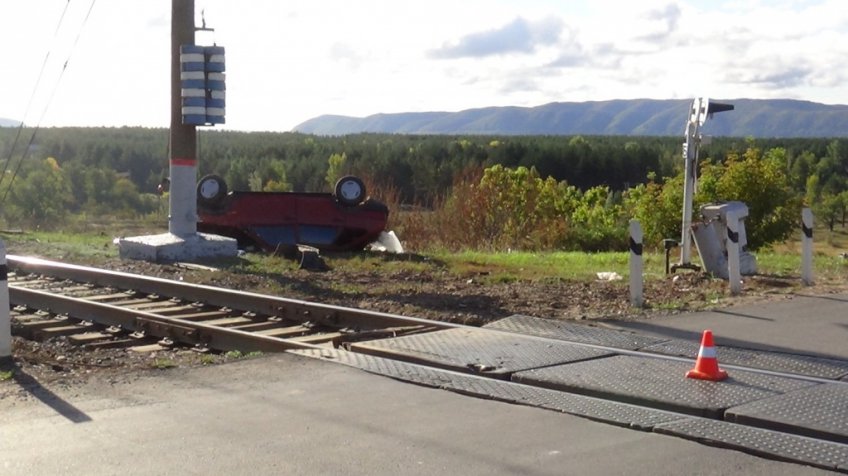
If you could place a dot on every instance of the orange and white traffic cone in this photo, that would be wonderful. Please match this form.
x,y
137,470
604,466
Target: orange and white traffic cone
x,y
706,367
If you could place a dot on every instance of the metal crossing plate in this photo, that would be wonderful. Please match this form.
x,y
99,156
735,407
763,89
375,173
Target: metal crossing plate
x,y
615,413
820,411
479,351
759,359
757,441
659,383
572,332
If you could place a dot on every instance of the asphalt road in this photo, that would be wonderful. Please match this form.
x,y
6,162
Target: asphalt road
x,y
283,414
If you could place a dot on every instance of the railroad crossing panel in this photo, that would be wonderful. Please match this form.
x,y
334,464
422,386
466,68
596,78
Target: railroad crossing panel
x,y
479,351
820,411
758,359
569,331
607,411
659,383
761,442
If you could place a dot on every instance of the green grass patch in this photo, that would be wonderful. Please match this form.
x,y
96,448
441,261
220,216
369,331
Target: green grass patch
x,y
550,265
163,364
237,354
6,375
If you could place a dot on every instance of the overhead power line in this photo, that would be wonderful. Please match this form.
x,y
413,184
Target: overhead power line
x,y
49,100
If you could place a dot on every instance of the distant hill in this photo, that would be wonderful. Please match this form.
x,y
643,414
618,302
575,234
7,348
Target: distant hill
x,y
638,117
9,122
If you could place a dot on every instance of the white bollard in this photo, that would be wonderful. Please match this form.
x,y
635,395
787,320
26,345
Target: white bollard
x,y
636,297
5,318
733,270
807,246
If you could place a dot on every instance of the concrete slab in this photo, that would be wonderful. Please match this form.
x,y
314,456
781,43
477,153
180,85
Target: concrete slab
x,y
170,247
479,351
658,384
820,411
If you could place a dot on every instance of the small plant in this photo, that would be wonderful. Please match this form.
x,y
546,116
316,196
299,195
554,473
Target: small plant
x,y
237,354
163,363
6,375
207,359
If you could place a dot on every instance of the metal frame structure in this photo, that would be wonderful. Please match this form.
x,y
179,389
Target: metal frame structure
x,y
701,110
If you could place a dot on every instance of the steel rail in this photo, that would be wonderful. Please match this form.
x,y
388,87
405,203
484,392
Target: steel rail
x,y
190,332
286,308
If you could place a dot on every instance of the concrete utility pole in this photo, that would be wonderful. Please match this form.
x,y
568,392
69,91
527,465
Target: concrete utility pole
x,y
182,219
182,242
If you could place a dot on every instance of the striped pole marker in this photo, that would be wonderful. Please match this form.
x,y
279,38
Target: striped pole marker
x,y
807,246
733,267
5,318
636,295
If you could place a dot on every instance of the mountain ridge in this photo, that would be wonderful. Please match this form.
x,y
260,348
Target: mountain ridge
x,y
637,117
9,122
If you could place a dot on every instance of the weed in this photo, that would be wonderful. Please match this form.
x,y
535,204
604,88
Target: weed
x,y
237,354
6,375
163,363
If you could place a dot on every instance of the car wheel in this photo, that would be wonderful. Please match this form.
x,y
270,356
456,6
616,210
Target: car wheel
x,y
211,190
350,191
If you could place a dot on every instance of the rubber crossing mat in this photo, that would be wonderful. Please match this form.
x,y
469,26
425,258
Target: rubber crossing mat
x,y
482,351
596,409
596,335
759,359
820,411
757,441
659,383
572,332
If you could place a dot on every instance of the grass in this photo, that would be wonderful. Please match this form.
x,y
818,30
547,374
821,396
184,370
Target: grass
x,y
498,267
163,364
6,375
237,354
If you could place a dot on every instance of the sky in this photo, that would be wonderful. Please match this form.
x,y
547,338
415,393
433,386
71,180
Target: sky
x,y
289,61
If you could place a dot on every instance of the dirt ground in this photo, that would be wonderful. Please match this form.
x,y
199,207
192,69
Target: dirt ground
x,y
430,294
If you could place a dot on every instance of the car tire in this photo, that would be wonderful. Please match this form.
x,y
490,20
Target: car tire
x,y
350,191
211,191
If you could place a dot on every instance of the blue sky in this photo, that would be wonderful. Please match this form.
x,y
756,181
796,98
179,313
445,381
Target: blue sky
x,y
289,61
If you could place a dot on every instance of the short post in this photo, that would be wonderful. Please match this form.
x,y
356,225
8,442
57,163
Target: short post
x,y
733,268
807,246
5,318
636,298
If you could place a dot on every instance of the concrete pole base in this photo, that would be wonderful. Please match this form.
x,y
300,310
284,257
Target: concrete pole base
x,y
169,247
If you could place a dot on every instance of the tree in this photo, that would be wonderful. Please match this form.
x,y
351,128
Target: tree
x,y
760,181
40,196
336,168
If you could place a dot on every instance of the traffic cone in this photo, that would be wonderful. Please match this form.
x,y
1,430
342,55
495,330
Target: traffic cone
x,y
706,367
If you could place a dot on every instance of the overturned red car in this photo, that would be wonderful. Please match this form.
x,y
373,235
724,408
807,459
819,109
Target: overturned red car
x,y
344,220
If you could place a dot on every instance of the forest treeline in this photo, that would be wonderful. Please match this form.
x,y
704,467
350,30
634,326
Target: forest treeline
x,y
57,173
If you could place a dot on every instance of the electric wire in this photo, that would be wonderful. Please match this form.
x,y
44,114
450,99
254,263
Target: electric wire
x,y
49,100
32,95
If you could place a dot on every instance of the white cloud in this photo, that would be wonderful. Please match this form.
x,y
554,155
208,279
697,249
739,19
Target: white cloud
x,y
290,61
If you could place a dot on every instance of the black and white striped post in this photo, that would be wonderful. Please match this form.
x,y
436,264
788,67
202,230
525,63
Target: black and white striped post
x,y
5,318
733,268
807,246
636,297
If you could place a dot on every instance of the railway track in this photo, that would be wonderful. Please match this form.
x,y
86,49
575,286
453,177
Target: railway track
x,y
96,307
519,360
